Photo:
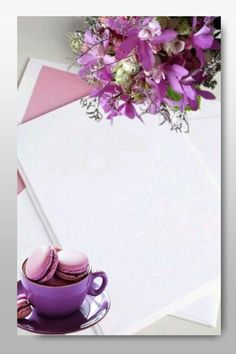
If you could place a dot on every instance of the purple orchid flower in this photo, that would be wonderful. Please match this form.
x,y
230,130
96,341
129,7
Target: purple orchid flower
x,y
183,83
156,95
128,109
149,73
108,103
203,39
189,95
121,24
95,54
108,100
174,74
143,39
190,99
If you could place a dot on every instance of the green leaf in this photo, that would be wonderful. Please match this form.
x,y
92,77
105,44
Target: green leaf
x,y
183,26
187,109
163,21
173,95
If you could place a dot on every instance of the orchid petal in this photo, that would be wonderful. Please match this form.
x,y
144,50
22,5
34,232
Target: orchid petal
x,y
189,91
112,114
193,104
105,103
205,94
105,73
203,41
127,109
161,89
109,88
132,32
179,71
174,83
153,109
108,59
126,47
90,37
203,31
95,91
165,36
130,111
171,102
114,89
188,80
84,70
145,55
98,50
147,20
85,59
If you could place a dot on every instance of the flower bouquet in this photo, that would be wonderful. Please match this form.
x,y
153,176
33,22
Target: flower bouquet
x,y
155,65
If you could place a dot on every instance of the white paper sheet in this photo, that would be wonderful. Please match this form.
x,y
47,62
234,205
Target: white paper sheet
x,y
204,310
172,193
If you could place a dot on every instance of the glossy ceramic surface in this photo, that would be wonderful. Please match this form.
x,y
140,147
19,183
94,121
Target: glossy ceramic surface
x,y
59,301
92,310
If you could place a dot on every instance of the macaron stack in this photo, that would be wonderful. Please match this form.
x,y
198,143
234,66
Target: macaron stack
x,y
47,262
23,306
52,266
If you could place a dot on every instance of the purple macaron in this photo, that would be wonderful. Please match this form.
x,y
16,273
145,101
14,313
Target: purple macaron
x,y
23,307
41,264
72,265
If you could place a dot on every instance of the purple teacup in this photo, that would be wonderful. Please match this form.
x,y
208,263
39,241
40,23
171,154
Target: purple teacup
x,y
62,299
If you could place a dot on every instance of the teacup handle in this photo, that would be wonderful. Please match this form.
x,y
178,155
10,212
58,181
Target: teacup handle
x,y
96,291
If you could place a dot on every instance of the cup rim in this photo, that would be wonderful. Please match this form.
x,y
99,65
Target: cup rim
x,y
51,286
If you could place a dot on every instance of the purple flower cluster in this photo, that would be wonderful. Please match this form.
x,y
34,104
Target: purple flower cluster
x,y
140,65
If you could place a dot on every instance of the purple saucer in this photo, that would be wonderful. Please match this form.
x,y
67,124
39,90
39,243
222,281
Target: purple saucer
x,y
92,310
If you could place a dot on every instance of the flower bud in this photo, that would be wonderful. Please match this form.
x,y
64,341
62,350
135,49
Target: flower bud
x,y
174,47
129,67
122,78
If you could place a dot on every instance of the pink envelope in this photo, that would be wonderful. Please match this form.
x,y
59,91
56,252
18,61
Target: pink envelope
x,y
54,88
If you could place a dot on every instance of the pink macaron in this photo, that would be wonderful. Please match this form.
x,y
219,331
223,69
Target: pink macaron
x,y
72,265
23,307
41,264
